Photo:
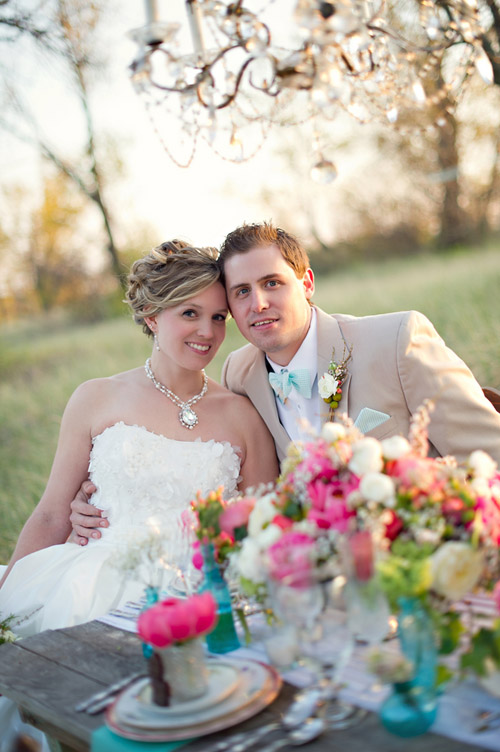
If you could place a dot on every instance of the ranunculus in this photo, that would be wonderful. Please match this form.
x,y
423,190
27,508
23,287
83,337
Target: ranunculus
x,y
332,432
456,568
327,385
176,620
378,487
236,515
481,464
366,456
290,558
393,524
395,447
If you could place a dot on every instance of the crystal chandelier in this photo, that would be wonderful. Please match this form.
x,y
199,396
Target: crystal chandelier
x,y
245,70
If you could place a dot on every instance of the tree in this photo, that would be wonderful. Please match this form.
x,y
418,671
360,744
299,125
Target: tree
x,y
71,36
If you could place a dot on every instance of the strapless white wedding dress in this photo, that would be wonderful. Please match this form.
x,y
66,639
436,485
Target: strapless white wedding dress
x,y
140,476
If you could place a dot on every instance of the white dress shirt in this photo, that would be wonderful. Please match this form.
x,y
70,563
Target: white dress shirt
x,y
298,411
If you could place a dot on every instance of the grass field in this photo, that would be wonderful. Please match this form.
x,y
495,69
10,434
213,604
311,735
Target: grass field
x,y
42,361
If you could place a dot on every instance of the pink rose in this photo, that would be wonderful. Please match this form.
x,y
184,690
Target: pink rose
x,y
290,558
236,515
281,521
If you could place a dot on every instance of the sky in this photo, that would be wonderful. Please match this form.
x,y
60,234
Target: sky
x,y
201,203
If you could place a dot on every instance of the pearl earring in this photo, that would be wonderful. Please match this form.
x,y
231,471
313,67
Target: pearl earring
x,y
155,339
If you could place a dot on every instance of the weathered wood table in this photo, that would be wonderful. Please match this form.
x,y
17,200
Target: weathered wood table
x,y
49,673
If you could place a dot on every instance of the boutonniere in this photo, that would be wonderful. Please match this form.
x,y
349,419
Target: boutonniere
x,y
330,384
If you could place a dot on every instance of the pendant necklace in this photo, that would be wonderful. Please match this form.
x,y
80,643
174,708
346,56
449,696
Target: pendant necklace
x,y
187,415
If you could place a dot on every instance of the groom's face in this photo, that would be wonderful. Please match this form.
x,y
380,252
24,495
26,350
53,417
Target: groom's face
x,y
269,303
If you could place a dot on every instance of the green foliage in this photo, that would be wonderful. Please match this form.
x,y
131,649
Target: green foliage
x,y
484,651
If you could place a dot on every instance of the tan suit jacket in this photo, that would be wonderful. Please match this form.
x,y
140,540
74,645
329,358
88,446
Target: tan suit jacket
x,y
398,360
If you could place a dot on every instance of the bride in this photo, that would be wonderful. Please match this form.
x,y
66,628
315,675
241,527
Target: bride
x,y
150,437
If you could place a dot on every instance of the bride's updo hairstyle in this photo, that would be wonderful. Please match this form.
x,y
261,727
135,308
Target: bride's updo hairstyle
x,y
170,274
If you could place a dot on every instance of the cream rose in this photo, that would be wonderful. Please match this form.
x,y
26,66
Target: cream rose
x,y
249,562
395,447
332,432
327,385
366,456
455,569
378,487
481,464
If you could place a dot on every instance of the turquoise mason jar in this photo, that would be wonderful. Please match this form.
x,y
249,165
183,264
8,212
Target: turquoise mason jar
x,y
411,708
223,638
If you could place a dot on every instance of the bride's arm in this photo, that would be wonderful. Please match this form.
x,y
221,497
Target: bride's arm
x,y
49,522
260,464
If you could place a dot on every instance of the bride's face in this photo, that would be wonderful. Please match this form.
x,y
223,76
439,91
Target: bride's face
x,y
192,332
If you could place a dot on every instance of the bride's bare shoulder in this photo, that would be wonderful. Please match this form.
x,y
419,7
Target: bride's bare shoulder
x,y
106,386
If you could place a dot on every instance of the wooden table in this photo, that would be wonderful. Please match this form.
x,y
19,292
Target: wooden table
x,y
49,673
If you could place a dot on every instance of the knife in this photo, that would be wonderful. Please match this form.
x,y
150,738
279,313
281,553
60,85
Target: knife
x,y
105,693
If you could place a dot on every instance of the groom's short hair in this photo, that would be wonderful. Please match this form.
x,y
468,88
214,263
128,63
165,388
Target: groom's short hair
x,y
247,237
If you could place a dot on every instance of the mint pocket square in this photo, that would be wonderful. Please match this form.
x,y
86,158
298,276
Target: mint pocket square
x,y
369,419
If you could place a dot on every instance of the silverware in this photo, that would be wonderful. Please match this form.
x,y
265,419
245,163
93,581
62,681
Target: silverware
x,y
310,729
106,693
243,740
486,720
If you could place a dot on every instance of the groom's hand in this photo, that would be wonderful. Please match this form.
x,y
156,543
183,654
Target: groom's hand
x,y
84,517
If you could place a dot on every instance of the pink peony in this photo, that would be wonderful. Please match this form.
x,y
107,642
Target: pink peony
x,y
236,515
328,503
290,558
317,464
176,620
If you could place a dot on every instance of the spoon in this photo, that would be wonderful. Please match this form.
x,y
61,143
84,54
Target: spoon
x,y
305,705
310,729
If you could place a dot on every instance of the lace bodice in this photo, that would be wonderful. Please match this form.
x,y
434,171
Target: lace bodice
x,y
140,474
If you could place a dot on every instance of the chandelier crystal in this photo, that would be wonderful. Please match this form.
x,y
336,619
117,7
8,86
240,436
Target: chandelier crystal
x,y
248,69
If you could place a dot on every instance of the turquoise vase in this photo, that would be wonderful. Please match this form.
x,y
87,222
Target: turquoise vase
x,y
411,708
152,594
223,638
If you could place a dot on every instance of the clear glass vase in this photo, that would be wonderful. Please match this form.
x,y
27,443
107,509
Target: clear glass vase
x,y
223,637
185,669
411,708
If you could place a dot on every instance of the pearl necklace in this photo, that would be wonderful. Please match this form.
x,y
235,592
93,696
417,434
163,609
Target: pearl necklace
x,y
187,415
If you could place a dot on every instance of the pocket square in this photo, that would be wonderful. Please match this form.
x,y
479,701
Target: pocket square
x,y
369,419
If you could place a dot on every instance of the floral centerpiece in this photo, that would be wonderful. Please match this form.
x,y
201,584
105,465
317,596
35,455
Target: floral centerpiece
x,y
172,627
433,524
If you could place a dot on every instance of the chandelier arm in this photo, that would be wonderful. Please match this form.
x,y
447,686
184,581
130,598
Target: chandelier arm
x,y
406,44
231,97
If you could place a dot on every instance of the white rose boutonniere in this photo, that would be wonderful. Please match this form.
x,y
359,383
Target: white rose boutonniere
x,y
327,386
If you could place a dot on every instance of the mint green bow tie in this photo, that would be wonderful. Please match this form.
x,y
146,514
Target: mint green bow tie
x,y
283,382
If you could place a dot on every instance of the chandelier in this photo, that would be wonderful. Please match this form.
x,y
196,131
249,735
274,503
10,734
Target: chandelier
x,y
240,71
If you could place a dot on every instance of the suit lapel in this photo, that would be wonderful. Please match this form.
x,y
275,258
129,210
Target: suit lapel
x,y
256,384
329,337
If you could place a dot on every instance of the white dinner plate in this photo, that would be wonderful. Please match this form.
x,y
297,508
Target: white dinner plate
x,y
134,716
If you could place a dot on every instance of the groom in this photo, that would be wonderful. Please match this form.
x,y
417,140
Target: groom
x,y
390,363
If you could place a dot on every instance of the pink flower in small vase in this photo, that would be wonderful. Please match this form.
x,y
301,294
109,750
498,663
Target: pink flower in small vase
x,y
176,620
290,558
236,516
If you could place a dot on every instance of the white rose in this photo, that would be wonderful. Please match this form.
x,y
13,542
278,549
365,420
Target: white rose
x,y
366,456
327,385
455,568
378,487
332,431
268,536
262,513
395,447
480,487
426,535
481,464
249,562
